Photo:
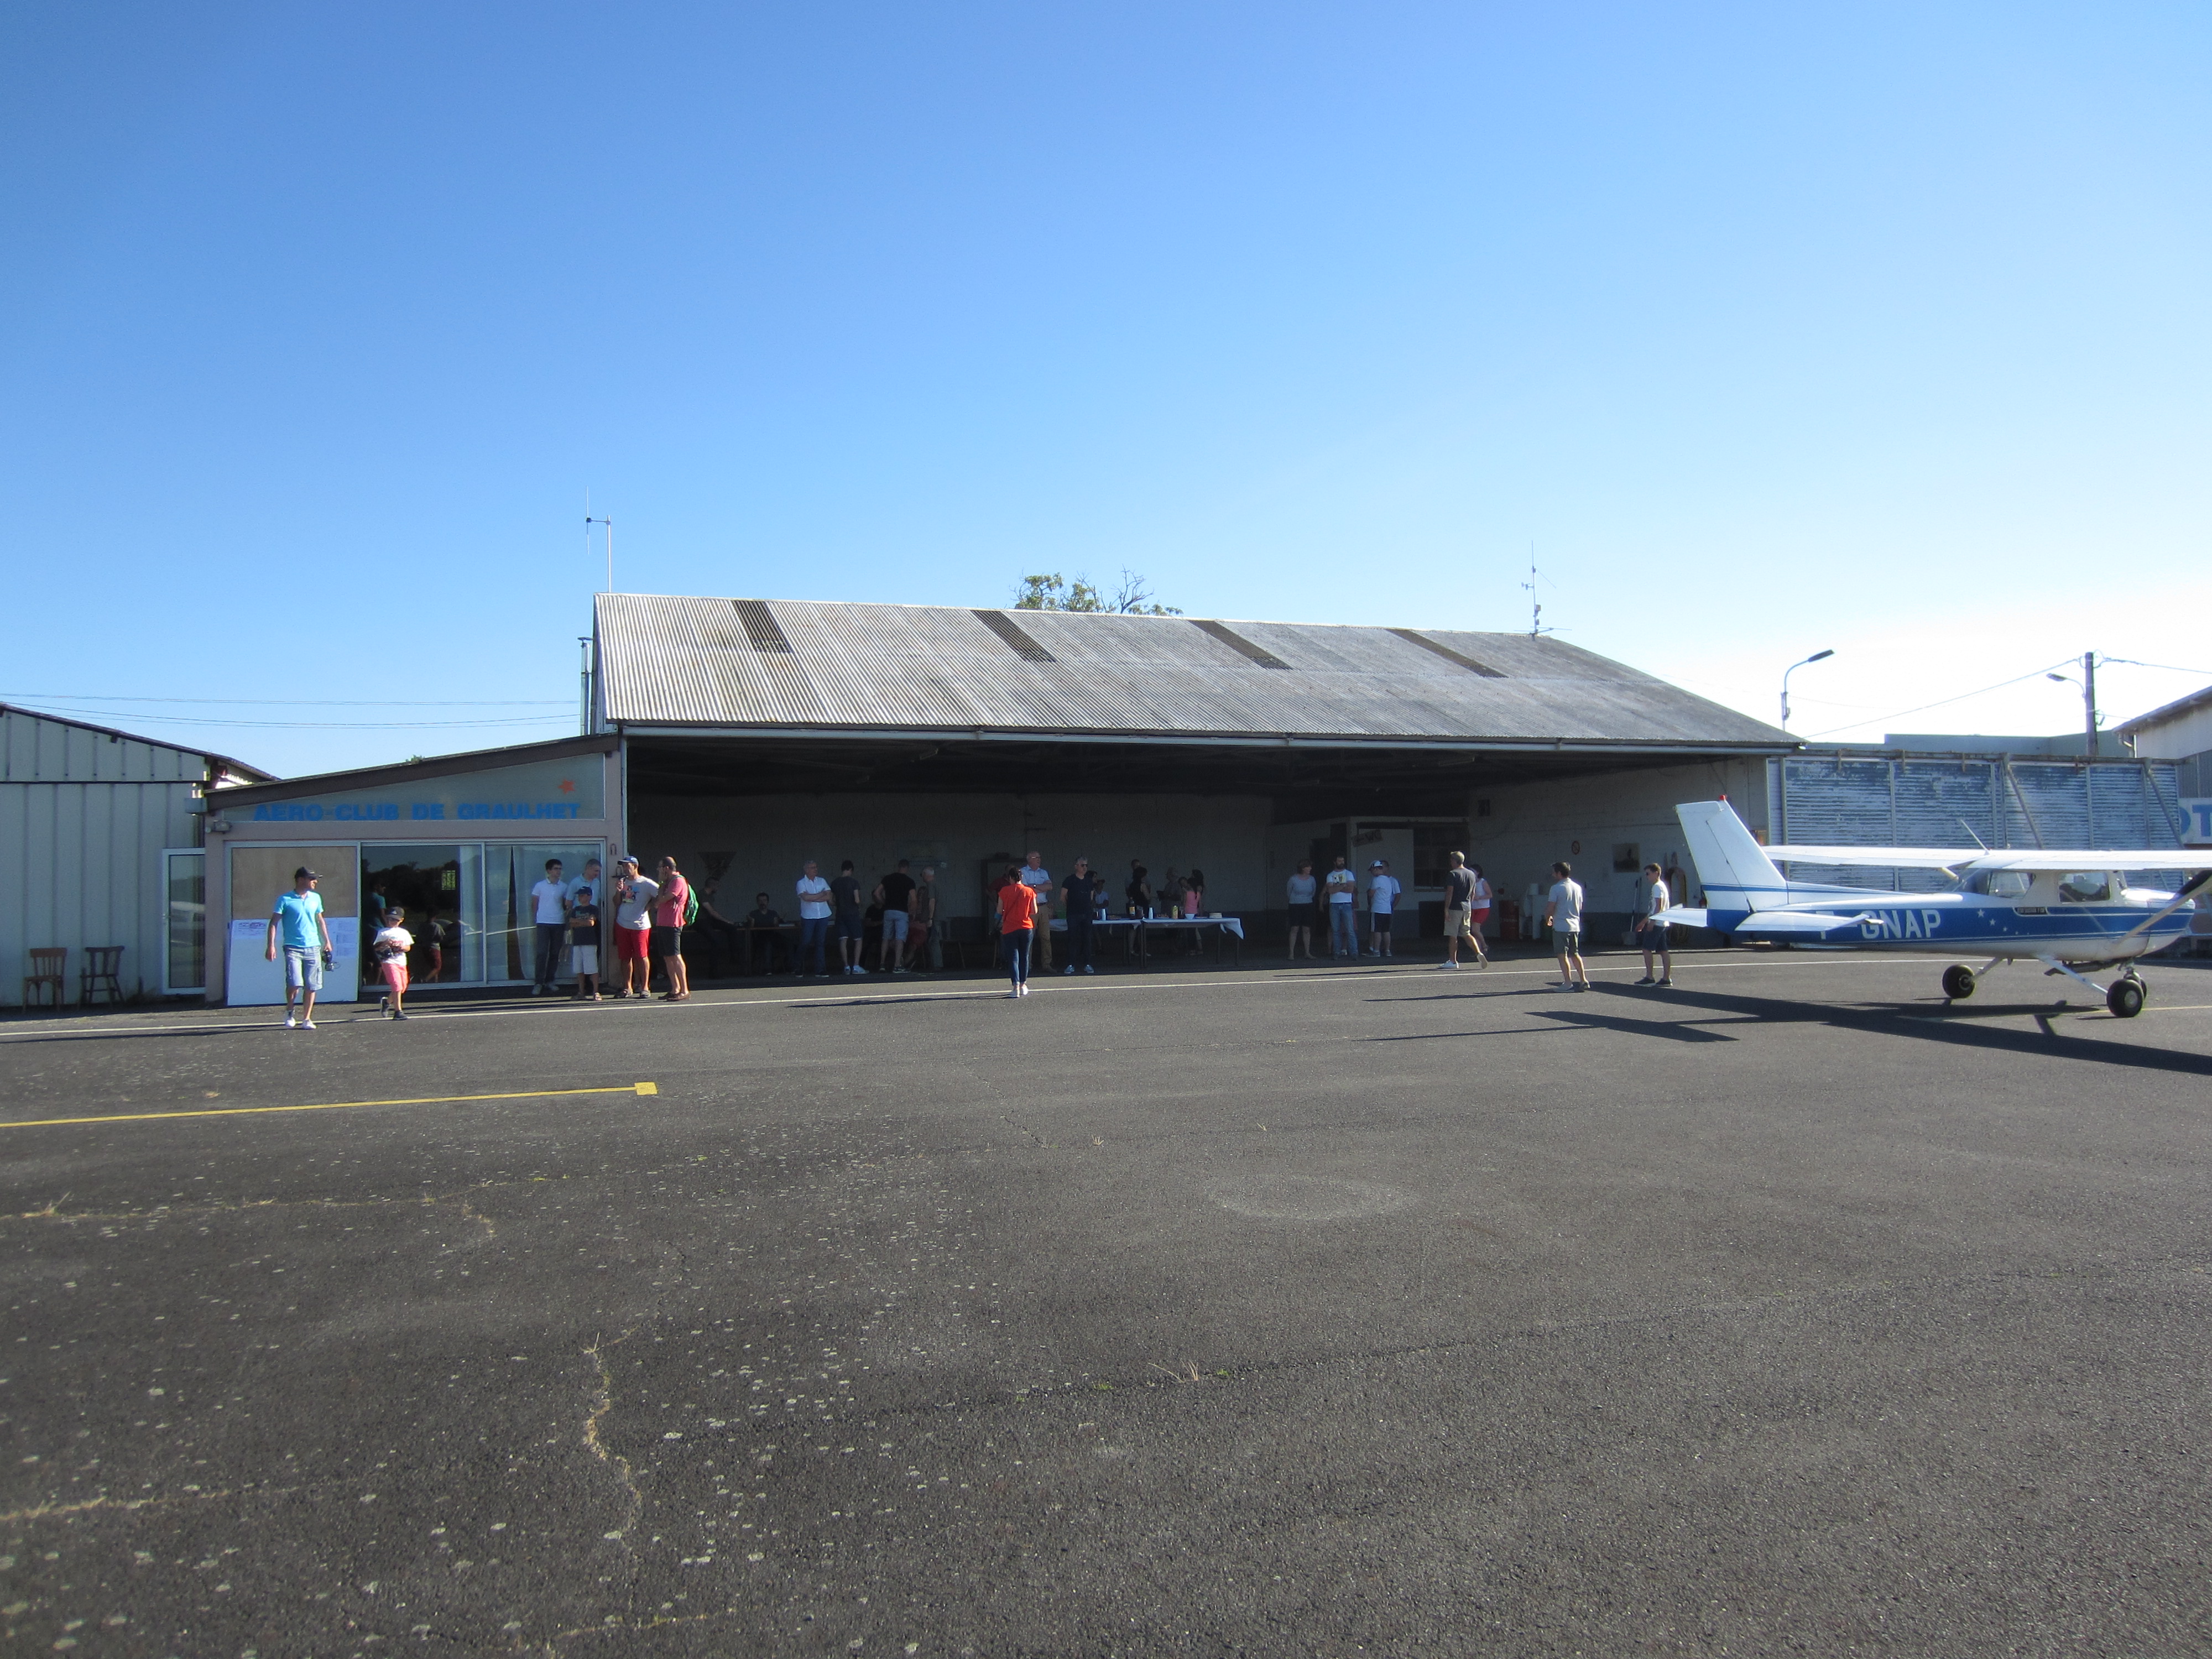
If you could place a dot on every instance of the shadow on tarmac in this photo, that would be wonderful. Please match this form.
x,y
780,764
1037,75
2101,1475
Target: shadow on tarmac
x,y
1964,1030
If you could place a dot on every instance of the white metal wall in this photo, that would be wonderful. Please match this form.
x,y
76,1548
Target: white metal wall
x,y
1925,801
83,819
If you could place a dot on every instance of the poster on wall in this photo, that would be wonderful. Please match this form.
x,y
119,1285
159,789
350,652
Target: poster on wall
x,y
253,981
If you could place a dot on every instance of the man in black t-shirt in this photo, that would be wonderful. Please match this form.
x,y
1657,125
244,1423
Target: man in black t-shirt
x,y
895,892
1080,908
845,907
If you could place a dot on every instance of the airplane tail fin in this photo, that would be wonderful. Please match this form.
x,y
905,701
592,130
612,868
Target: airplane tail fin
x,y
1732,866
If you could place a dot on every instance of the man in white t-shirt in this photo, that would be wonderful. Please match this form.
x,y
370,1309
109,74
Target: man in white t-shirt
x,y
634,894
813,922
1341,890
1654,933
1382,890
549,909
1563,914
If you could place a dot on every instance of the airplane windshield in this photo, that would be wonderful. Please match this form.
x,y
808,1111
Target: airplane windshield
x,y
1998,884
2085,887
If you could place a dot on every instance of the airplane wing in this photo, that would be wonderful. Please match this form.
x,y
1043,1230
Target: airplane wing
x,y
1959,858
2102,857
1896,858
1794,924
1682,916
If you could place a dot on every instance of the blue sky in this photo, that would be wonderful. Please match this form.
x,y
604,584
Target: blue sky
x,y
1770,329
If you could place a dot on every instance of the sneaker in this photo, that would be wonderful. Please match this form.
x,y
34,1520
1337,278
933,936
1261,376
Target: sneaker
x,y
537,990
1088,969
307,1025
1668,983
384,1004
1647,980
1066,971
1584,985
1012,994
1448,964
1024,989
402,1015
289,1022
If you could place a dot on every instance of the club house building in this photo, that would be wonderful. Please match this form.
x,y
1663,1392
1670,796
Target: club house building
x,y
744,737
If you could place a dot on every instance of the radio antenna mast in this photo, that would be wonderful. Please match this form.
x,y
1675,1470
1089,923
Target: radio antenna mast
x,y
1536,607
588,522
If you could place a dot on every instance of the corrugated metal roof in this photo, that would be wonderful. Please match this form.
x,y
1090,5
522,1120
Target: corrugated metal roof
x,y
701,662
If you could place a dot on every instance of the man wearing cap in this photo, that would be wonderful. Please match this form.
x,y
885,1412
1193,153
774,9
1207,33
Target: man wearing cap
x,y
307,938
1382,890
633,929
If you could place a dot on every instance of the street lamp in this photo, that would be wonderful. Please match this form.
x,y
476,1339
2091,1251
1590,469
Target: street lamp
x,y
1818,656
2088,685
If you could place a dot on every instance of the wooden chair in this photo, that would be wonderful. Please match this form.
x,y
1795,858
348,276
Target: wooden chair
x,y
49,968
102,973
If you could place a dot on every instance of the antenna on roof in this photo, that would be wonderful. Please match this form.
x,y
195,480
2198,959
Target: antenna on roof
x,y
588,522
1535,610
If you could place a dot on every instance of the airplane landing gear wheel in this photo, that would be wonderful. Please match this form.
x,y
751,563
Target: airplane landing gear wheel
x,y
1958,982
2125,999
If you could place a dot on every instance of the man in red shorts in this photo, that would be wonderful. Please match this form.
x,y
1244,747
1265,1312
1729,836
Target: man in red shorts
x,y
633,929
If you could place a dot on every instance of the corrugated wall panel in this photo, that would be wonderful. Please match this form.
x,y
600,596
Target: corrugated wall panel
x,y
1899,802
15,890
81,864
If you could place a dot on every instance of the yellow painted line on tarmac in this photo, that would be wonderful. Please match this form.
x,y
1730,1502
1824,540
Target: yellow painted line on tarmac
x,y
333,1106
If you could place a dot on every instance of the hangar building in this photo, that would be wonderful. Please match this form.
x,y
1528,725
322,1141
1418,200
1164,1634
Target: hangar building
x,y
758,733
746,736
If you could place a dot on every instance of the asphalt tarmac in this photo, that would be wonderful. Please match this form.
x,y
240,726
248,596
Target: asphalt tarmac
x,y
1378,1309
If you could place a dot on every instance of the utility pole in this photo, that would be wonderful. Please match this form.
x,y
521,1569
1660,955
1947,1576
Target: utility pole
x,y
2089,698
584,704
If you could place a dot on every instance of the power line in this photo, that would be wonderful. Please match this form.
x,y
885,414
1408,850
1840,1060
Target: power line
x,y
1883,720
2167,666
307,726
308,702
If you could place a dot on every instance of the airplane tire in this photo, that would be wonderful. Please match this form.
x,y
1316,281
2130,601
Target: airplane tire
x,y
2125,999
1958,982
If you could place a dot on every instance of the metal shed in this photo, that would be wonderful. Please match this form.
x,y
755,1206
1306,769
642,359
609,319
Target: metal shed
x,y
100,839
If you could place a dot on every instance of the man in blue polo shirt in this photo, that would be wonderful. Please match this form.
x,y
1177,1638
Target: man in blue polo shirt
x,y
306,939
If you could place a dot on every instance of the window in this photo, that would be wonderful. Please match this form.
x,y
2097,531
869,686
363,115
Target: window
x,y
2085,887
1432,843
2000,884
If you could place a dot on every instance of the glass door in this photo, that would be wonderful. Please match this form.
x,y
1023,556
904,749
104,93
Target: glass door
x,y
427,882
184,886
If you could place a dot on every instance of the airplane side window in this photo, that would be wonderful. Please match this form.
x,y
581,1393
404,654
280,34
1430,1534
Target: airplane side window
x,y
2085,887
2008,884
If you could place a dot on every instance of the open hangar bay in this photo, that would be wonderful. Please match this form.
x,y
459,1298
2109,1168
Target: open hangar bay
x,y
1378,1311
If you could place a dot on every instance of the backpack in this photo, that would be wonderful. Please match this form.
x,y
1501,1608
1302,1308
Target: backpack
x,y
690,905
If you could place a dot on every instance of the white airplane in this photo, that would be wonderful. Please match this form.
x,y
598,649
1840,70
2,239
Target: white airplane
x,y
2068,910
